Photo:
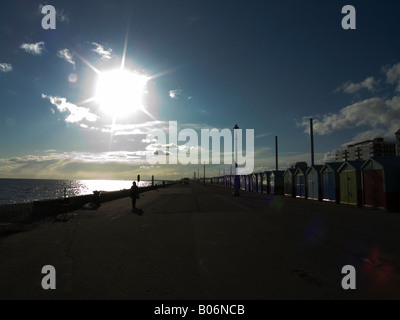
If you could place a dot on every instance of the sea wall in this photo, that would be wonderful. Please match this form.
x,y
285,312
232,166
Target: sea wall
x,y
48,208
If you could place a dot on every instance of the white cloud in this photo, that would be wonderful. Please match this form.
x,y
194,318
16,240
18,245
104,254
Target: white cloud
x,y
33,48
369,135
70,165
393,76
174,94
76,114
62,16
328,157
351,87
66,55
5,67
375,113
136,129
262,135
105,54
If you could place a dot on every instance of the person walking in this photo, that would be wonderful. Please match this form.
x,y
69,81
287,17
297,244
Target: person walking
x,y
134,194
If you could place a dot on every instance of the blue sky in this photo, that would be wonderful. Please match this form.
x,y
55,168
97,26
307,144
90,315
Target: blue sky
x,y
266,65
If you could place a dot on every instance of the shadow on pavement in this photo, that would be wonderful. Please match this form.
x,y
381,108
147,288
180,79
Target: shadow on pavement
x,y
139,212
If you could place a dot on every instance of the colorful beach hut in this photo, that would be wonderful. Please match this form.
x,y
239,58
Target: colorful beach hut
x,y
243,182
289,183
232,181
330,181
254,180
259,182
265,183
381,183
276,182
314,185
248,182
350,182
300,180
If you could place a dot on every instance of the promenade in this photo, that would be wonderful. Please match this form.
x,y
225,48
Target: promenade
x,y
200,242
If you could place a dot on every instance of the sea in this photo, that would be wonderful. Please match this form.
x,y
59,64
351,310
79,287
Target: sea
x,y
14,191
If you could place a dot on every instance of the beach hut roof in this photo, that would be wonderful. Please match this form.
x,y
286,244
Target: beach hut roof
x,y
385,162
333,165
277,173
356,165
292,171
317,168
300,170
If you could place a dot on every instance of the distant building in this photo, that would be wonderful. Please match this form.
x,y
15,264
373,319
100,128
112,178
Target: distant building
x,y
302,165
365,150
398,143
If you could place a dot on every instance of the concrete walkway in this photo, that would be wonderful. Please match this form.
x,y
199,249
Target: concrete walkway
x,y
199,242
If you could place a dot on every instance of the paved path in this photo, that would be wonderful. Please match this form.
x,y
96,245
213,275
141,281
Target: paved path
x,y
197,242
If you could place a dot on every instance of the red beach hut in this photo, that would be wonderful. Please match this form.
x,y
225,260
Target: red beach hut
x,y
381,183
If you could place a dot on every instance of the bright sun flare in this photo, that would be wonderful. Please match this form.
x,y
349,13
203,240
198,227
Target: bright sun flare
x,y
120,92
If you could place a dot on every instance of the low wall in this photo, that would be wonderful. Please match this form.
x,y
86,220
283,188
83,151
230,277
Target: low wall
x,y
48,208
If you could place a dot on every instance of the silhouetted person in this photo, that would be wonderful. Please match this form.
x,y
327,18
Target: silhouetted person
x,y
96,198
134,194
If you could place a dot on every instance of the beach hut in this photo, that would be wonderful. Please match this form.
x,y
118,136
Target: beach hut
x,y
300,180
254,185
330,181
227,181
265,183
232,181
248,182
259,182
243,182
289,182
350,182
381,183
276,182
314,185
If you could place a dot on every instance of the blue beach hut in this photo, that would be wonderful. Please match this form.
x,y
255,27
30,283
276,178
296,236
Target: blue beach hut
x,y
330,182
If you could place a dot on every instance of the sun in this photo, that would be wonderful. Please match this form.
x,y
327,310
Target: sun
x,y
120,92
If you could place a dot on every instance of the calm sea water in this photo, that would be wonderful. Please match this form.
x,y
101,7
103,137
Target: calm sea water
x,y
27,190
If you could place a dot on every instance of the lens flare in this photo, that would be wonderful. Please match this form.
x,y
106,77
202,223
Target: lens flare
x,y
120,92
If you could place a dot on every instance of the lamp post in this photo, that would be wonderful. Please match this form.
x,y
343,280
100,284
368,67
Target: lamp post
x,y
236,192
204,173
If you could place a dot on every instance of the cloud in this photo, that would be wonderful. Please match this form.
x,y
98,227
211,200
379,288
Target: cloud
x,y
62,16
5,67
375,113
393,76
136,129
351,87
262,135
66,55
74,165
33,48
369,135
328,157
174,94
76,114
104,54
